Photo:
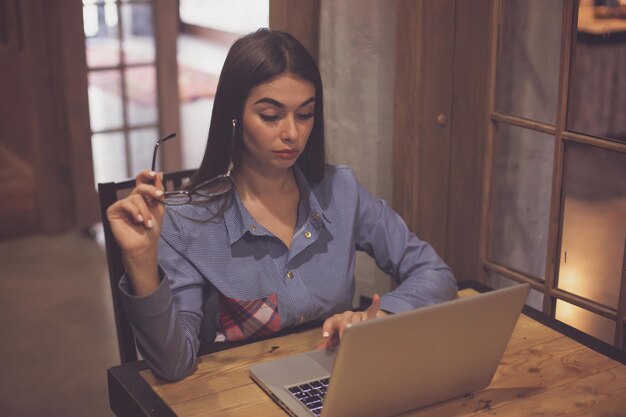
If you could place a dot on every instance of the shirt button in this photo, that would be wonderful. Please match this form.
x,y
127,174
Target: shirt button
x,y
316,216
253,226
301,320
307,235
289,274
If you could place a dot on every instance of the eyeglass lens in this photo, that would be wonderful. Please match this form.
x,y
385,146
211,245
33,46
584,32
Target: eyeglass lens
x,y
205,192
176,198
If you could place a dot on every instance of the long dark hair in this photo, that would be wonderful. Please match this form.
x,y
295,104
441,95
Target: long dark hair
x,y
255,59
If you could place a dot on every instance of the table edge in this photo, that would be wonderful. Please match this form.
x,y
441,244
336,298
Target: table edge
x,y
133,395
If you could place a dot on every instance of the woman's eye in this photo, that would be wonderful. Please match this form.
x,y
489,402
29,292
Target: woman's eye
x,y
269,118
305,116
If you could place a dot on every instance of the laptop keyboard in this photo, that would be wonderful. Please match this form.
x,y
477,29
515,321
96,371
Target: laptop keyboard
x,y
311,394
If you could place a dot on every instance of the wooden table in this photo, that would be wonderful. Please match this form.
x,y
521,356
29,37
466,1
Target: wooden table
x,y
543,373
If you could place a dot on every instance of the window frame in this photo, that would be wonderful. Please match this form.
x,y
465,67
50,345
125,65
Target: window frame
x,y
549,286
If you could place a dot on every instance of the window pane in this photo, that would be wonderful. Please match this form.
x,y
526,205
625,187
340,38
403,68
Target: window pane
x,y
586,321
138,42
594,223
522,185
234,16
141,149
141,93
597,99
101,35
105,100
496,281
528,59
109,157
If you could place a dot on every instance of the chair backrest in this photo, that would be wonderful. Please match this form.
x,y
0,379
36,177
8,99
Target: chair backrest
x,y
109,193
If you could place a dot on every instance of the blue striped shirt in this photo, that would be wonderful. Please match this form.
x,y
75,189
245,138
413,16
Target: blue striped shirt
x,y
238,258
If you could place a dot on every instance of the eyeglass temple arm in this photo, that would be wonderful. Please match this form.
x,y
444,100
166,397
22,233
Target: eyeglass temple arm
x,y
232,147
156,147
173,135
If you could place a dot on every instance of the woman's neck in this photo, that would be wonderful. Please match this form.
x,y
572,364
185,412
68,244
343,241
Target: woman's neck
x,y
253,183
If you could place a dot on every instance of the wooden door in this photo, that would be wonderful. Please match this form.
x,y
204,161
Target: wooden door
x,y
442,50
45,165
46,168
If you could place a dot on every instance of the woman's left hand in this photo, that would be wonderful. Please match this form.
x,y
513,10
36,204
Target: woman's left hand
x,y
335,326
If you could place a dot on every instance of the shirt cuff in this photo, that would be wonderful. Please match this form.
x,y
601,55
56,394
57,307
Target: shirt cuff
x,y
150,305
394,305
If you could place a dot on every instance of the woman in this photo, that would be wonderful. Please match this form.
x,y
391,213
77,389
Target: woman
x,y
279,248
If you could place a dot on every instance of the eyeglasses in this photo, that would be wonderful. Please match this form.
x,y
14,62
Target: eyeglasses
x,y
203,192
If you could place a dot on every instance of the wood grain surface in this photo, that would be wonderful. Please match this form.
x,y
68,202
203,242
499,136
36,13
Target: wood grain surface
x,y
542,373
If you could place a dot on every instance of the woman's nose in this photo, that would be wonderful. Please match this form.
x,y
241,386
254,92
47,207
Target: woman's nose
x,y
289,132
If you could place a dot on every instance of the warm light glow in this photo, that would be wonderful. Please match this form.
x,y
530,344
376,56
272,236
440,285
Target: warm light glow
x,y
593,249
593,237
571,279
586,321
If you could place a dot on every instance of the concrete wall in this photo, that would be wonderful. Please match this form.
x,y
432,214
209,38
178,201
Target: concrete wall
x,y
357,66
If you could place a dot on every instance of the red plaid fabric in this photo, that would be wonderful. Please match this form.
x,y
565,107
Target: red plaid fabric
x,y
245,319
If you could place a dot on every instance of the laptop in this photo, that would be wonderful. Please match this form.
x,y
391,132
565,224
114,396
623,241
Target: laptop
x,y
399,362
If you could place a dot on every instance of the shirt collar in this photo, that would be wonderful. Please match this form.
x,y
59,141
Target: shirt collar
x,y
308,198
238,220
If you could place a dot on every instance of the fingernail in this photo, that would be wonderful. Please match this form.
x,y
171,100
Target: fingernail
x,y
159,193
150,224
348,325
325,334
140,218
161,175
152,173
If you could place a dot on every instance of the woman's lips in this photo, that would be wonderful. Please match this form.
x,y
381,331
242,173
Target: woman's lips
x,y
287,153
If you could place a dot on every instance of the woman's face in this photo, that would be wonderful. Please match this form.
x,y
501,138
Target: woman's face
x,y
278,118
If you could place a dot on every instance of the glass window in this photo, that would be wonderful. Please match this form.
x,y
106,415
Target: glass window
x,y
141,148
529,59
597,94
109,157
522,186
102,43
591,323
586,232
123,95
594,224
209,27
535,298
234,16
141,95
105,100
138,43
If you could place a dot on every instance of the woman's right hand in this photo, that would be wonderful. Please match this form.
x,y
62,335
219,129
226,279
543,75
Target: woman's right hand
x,y
136,225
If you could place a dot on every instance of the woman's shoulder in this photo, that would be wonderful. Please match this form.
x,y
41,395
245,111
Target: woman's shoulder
x,y
339,182
339,173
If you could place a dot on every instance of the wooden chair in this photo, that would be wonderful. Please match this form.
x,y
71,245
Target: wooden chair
x,y
109,193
